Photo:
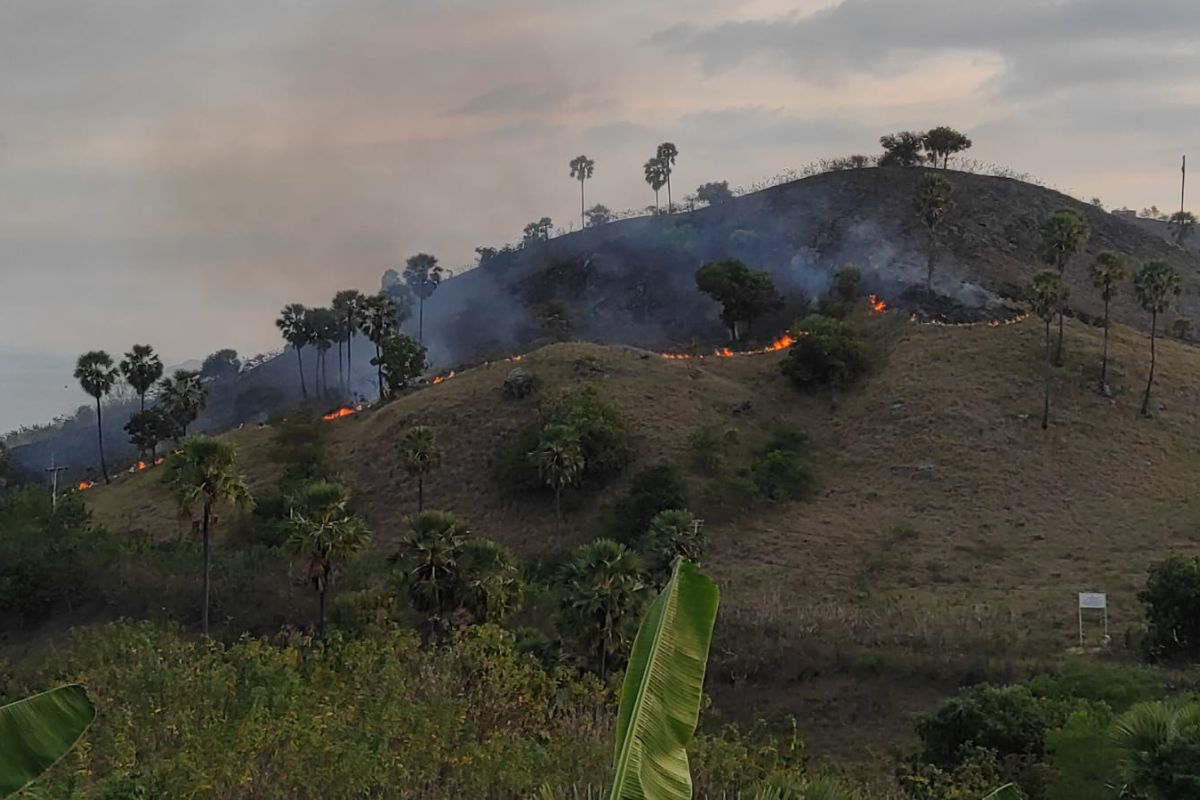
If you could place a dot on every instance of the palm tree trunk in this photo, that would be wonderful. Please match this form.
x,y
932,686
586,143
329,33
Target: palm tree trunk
x,y
929,257
321,618
325,371
204,612
558,511
341,372
668,191
349,352
582,224
1046,377
420,493
1058,352
317,374
1150,378
1104,354
421,318
379,370
656,199
300,361
142,398
100,440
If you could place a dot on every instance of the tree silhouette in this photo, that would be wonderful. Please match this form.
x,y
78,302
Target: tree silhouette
x,y
744,294
147,428
602,592
400,360
942,142
204,473
347,304
666,155
141,368
323,533
323,330
581,170
901,149
1107,272
377,319
1063,235
1156,284
656,176
292,325
1047,291
182,397
596,216
1182,224
538,231
421,456
422,274
932,202
223,363
95,372
714,193
559,461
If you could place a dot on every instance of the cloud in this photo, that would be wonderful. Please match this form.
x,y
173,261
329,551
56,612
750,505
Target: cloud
x,y
518,98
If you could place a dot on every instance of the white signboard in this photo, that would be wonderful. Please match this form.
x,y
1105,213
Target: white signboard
x,y
1093,600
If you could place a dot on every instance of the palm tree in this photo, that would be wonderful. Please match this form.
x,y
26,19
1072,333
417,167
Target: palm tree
x,y
182,397
581,170
932,202
1063,235
418,448
377,319
95,373
672,534
1107,271
347,304
559,461
324,533
1182,224
1156,284
1048,292
666,157
656,176
422,274
1150,739
602,591
141,368
204,473
491,584
429,556
295,332
323,330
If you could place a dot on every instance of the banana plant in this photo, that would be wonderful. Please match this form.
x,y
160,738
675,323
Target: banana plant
x,y
38,731
1006,792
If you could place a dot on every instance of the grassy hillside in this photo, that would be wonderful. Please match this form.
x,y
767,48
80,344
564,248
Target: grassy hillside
x,y
946,540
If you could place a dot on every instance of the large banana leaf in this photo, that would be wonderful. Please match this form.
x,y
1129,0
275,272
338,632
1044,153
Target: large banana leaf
x,y
39,730
1005,792
660,701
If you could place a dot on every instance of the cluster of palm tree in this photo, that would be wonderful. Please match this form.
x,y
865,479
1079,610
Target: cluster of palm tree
x,y
178,399
657,171
1156,285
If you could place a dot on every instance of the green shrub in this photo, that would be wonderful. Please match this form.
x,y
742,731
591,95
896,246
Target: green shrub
x,y
656,488
845,283
710,447
1117,686
1171,598
780,475
828,353
299,445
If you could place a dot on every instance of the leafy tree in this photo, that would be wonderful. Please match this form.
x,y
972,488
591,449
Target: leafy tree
x,y
656,175
602,590
347,304
421,455
671,534
1182,224
204,474
942,142
1047,293
932,202
1107,272
147,428
295,331
559,461
827,353
846,281
597,215
1171,598
581,170
901,149
666,155
401,360
141,368
491,585
221,364
429,555
182,397
377,319
714,193
1158,750
95,372
1063,235
324,533
652,490
423,276
744,294
538,231
1156,285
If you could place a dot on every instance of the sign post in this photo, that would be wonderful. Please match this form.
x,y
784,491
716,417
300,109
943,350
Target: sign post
x,y
1097,600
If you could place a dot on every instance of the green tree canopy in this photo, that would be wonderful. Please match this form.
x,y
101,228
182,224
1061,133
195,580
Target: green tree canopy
x,y
943,142
901,149
744,294
142,368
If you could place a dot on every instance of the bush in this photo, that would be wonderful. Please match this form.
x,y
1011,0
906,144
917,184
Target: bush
x,y
656,488
845,283
299,445
780,475
710,447
672,533
827,353
1171,598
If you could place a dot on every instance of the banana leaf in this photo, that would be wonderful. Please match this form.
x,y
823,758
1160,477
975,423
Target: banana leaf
x,y
660,700
1006,792
39,730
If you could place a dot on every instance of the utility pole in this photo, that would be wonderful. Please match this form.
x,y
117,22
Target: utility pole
x,y
1182,183
54,470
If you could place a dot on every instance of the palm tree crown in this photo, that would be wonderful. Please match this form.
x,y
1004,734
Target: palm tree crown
x,y
141,368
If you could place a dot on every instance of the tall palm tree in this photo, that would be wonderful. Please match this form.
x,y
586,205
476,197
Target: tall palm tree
x,y
323,329
377,319
1107,271
421,455
95,372
292,325
666,155
324,533
422,274
559,461
347,304
429,555
932,203
1063,235
1048,292
581,170
142,368
490,580
182,397
602,591
204,473
1156,284
656,176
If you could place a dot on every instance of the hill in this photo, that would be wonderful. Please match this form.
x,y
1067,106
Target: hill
x,y
944,545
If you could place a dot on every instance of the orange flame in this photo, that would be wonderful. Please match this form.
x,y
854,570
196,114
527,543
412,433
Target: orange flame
x,y
441,378
85,485
877,306
344,411
782,343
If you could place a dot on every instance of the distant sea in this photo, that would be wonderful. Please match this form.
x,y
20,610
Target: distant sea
x,y
35,388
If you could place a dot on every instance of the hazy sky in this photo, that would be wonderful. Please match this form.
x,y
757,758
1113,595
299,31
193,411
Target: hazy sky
x,y
173,171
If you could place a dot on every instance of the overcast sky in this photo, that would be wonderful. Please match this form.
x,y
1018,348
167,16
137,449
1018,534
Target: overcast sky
x,y
173,171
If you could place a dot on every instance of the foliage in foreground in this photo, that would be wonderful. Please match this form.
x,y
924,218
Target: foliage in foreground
x,y
828,353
